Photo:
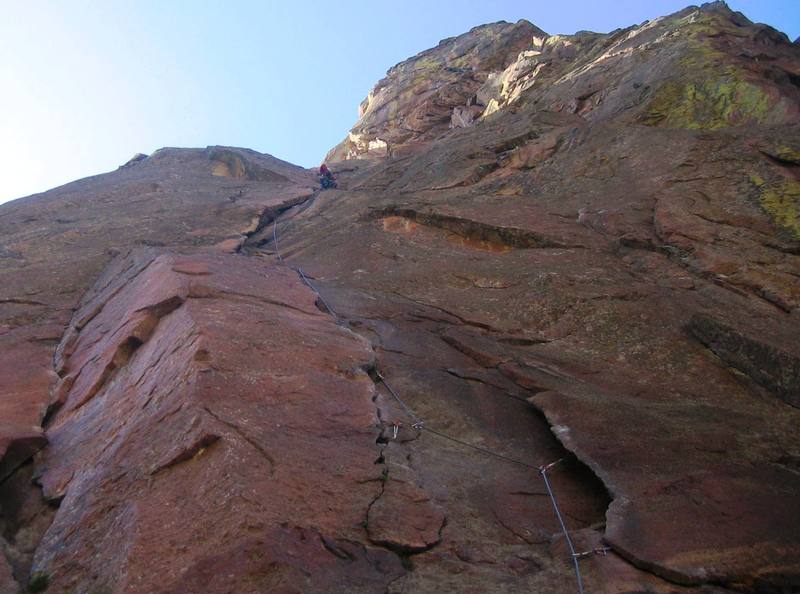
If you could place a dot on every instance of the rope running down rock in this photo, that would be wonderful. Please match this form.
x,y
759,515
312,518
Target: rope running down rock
x,y
420,425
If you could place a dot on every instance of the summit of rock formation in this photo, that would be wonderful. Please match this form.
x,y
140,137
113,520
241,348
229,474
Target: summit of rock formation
x,y
706,67
572,249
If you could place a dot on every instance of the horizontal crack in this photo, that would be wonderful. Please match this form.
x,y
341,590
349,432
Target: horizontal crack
x,y
20,301
513,237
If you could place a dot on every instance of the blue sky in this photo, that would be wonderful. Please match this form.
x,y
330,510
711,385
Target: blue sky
x,y
86,84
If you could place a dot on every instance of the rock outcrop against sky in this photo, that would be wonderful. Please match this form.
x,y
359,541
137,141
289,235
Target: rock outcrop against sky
x,y
581,247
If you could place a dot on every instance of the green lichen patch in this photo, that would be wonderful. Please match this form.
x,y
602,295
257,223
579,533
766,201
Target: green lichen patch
x,y
781,199
789,154
708,104
427,63
708,90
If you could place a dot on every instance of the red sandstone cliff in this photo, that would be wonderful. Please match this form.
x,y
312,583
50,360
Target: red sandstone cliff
x,y
581,247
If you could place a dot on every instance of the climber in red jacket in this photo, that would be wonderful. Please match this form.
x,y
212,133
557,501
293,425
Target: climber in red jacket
x,y
326,178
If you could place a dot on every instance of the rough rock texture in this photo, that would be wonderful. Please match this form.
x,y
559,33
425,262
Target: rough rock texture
x,y
707,68
616,235
207,387
418,97
54,245
757,356
403,518
581,248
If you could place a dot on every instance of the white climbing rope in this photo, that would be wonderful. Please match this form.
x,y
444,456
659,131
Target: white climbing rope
x,y
575,556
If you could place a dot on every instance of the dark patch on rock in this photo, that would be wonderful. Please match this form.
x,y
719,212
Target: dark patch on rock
x,y
768,365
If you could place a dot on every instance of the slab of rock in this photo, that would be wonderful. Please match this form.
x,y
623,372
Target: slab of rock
x,y
776,369
403,518
563,243
730,519
210,386
53,246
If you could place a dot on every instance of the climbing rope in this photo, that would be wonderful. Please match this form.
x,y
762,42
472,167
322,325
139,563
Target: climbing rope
x,y
420,425
409,412
275,239
575,556
299,270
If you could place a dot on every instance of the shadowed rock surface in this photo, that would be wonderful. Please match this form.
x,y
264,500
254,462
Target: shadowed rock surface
x,y
580,247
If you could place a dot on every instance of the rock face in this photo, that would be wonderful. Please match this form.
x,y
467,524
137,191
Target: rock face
x,y
581,248
420,97
177,409
54,246
704,68
603,234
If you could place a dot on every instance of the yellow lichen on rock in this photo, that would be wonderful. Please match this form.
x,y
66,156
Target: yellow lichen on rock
x,y
226,164
709,90
787,153
721,100
781,200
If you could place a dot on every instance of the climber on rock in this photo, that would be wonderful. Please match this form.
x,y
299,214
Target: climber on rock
x,y
326,178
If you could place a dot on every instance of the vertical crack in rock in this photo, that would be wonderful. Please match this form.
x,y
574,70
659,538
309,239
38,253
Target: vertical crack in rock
x,y
24,518
18,451
572,471
401,517
261,235
570,474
